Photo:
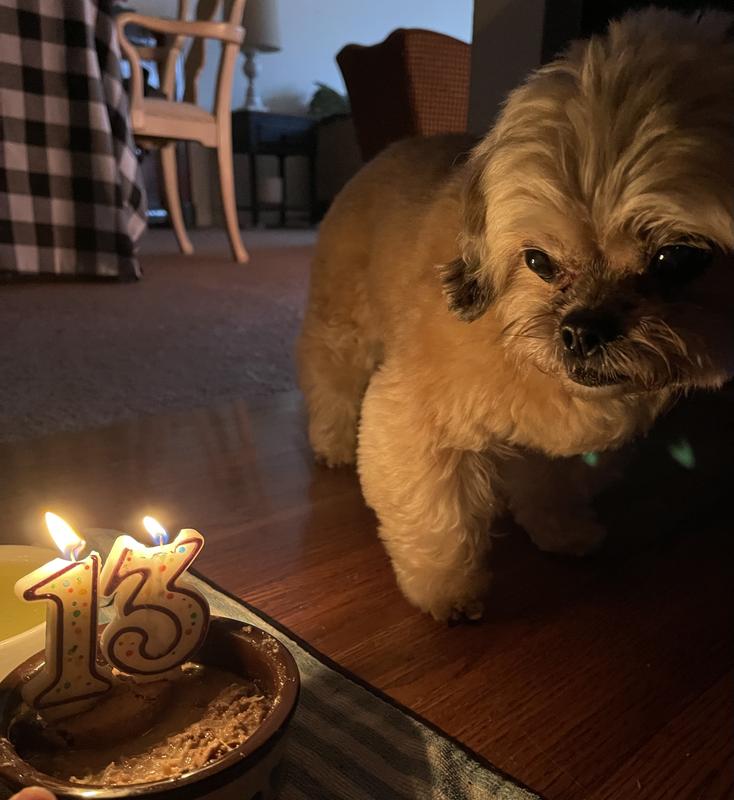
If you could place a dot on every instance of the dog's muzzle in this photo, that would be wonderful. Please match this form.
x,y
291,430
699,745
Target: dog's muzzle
x,y
584,334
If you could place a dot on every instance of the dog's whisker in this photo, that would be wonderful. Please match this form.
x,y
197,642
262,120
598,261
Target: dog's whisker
x,y
524,336
529,322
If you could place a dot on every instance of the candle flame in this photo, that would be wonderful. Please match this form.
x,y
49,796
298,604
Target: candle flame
x,y
64,536
156,530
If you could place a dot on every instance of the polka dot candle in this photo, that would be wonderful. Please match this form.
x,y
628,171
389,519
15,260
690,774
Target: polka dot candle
x,y
70,678
160,620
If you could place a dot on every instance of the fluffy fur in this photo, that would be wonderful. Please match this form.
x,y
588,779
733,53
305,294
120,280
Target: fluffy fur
x,y
429,339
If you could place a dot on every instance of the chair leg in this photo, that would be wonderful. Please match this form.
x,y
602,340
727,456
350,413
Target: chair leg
x,y
173,198
226,184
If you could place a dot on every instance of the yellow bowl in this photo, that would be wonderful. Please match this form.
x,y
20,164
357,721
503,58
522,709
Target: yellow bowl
x,y
22,625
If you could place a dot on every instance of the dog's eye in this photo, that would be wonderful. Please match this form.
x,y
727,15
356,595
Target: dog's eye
x,y
540,264
678,263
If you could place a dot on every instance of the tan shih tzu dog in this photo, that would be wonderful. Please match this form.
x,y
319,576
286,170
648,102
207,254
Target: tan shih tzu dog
x,y
476,320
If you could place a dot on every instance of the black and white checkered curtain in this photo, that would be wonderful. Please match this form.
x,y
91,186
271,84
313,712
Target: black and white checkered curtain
x,y
71,193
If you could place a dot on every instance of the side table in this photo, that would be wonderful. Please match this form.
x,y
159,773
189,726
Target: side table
x,y
261,133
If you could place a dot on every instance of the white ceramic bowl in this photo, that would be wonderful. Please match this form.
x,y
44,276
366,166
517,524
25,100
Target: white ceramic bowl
x,y
18,648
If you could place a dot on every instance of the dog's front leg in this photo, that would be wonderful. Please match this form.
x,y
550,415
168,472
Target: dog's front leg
x,y
434,503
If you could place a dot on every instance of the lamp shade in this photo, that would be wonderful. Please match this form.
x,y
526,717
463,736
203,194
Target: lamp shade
x,y
261,26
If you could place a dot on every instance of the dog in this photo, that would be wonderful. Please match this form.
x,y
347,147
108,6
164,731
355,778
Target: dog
x,y
481,317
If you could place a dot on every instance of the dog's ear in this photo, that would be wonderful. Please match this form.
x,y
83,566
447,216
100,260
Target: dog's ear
x,y
466,286
467,296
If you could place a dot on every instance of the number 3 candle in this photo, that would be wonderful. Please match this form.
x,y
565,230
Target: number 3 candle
x,y
70,678
159,620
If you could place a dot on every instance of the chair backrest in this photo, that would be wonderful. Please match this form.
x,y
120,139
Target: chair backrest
x,y
415,82
232,12
195,56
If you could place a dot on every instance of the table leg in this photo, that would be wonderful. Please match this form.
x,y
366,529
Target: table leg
x,y
284,195
254,203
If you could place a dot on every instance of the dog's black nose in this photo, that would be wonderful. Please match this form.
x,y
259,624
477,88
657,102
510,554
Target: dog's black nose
x,y
585,331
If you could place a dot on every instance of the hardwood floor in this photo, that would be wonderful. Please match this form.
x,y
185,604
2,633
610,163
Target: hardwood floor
x,y
610,677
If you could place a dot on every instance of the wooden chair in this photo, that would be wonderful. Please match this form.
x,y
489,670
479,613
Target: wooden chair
x,y
163,121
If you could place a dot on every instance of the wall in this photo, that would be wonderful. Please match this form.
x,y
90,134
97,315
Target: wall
x,y
313,31
497,68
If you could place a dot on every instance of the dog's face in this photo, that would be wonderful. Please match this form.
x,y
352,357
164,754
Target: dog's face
x,y
599,212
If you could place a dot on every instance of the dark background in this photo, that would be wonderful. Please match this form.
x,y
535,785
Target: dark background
x,y
570,19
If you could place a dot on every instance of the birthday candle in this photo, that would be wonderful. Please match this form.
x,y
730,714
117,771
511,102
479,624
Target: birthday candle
x,y
70,677
160,620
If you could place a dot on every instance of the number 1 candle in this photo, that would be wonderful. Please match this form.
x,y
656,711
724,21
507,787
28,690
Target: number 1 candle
x,y
70,677
160,621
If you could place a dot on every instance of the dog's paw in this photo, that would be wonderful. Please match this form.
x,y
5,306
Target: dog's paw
x,y
448,596
470,611
334,441
573,532
336,457
334,448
